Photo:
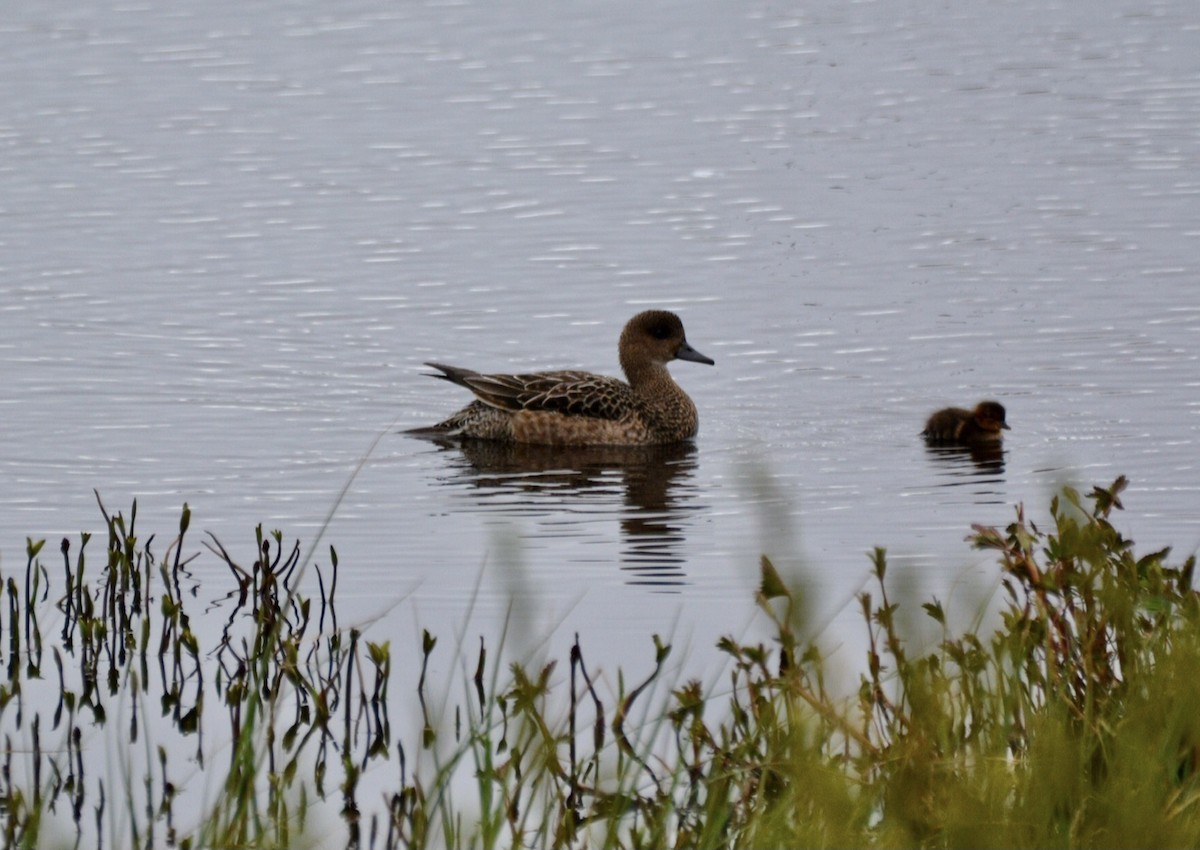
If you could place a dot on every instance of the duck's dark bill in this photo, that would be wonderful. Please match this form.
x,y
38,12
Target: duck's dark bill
x,y
686,352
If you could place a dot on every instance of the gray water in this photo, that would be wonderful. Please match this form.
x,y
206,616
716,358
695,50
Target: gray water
x,y
231,233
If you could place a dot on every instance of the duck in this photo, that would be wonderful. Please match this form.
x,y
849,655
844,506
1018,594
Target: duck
x,y
575,408
959,426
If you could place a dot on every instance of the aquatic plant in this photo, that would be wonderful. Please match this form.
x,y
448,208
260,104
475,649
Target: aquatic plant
x,y
1069,721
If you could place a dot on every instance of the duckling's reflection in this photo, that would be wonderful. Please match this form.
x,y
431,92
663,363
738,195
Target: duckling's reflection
x,y
652,483
978,465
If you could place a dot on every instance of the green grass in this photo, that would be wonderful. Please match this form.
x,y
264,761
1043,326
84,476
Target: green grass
x,y
1072,721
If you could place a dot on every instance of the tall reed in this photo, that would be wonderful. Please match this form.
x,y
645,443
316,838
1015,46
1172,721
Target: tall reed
x,y
1070,721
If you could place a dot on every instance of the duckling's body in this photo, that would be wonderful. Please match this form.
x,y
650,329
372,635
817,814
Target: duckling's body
x,y
957,425
573,408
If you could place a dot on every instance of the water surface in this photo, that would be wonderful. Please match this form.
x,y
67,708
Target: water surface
x,y
232,234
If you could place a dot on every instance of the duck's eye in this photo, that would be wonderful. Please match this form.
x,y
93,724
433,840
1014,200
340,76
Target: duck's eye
x,y
660,330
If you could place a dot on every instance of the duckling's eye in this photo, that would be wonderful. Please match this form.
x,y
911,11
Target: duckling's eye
x,y
660,330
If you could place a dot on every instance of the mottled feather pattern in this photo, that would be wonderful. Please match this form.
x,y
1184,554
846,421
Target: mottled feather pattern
x,y
573,393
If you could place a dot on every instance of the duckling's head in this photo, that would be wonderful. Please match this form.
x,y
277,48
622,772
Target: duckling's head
x,y
655,337
989,415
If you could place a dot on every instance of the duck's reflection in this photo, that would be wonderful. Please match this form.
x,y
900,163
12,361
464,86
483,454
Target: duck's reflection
x,y
646,487
981,466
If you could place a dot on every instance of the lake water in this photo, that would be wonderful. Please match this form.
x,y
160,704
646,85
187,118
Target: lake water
x,y
232,233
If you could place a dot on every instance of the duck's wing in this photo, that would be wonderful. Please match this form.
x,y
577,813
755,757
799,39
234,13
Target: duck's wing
x,y
569,393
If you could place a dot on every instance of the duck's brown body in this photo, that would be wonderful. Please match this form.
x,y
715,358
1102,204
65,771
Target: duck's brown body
x,y
580,408
957,425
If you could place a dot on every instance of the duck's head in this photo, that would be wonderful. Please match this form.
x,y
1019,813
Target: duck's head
x,y
656,337
989,415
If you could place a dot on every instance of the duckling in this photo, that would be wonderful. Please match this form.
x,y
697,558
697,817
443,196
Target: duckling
x,y
957,425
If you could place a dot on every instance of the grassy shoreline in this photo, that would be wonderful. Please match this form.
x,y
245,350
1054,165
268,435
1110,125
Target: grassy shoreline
x,y
1071,723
